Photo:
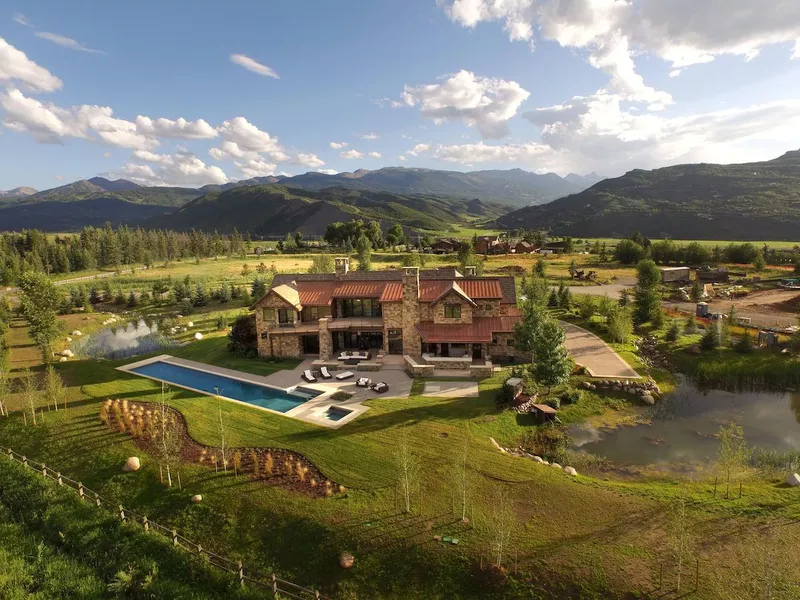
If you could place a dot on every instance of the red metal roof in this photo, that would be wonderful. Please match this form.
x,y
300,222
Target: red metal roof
x,y
478,332
359,289
477,289
393,292
315,293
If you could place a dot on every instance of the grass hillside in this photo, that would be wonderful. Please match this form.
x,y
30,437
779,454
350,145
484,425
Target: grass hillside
x,y
702,201
277,209
118,190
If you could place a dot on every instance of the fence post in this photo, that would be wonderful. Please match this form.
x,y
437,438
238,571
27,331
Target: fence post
x,y
200,549
97,499
274,585
80,490
10,453
121,513
241,574
44,471
174,537
316,595
25,461
59,479
146,524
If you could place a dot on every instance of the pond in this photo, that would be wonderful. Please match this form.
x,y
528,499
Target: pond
x,y
139,337
684,425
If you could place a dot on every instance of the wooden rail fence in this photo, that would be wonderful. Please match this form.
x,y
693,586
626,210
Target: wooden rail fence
x,y
279,588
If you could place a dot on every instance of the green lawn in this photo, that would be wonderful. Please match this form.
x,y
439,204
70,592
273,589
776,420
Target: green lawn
x,y
608,535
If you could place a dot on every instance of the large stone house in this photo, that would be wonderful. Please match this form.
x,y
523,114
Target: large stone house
x,y
438,313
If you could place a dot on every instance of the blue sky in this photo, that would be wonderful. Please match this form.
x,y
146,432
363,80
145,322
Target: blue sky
x,y
578,85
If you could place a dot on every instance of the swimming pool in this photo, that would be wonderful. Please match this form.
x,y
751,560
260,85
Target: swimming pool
x,y
215,384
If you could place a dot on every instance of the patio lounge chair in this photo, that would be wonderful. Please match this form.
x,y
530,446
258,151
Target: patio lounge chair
x,y
381,387
345,375
309,376
363,382
325,374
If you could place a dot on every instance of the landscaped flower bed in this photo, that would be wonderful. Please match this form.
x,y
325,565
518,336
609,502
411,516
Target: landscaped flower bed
x,y
161,430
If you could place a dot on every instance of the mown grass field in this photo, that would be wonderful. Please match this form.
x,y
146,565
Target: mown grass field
x,y
585,537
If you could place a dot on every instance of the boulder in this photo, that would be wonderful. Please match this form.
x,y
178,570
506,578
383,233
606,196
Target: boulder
x,y
346,560
495,444
132,464
570,471
67,353
587,385
555,465
76,333
197,499
190,324
198,336
69,339
648,399
793,480
538,459
62,359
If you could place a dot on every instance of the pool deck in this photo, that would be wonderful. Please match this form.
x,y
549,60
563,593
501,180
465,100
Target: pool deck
x,y
313,410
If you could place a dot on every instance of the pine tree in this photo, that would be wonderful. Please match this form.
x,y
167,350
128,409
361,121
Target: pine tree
x,y
647,300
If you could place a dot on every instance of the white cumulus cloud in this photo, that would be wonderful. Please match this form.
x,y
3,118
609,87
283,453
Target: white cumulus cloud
x,y
374,154
253,65
16,66
250,138
370,136
481,102
338,145
327,171
418,149
179,128
351,154
179,168
312,161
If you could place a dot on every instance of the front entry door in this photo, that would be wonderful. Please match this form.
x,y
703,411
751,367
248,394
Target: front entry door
x,y
445,350
477,352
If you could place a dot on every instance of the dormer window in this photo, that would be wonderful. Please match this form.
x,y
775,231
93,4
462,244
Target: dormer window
x,y
452,311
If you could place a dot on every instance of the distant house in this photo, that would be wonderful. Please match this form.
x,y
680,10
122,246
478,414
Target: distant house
x,y
707,275
556,247
523,247
485,244
444,246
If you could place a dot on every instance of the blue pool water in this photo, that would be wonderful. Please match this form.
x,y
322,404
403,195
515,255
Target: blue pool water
x,y
334,413
251,393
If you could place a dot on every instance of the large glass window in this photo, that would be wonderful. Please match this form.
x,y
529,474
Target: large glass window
x,y
269,314
452,311
357,307
284,317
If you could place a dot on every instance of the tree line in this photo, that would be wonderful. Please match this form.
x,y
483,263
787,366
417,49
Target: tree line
x,y
669,252
92,248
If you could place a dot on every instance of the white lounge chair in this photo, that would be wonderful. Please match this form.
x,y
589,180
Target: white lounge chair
x,y
363,382
309,376
381,387
345,375
325,374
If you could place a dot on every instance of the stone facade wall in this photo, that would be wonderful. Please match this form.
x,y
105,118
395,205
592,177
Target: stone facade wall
x,y
425,311
481,371
325,339
290,346
263,327
496,308
392,319
501,349
437,310
417,370
412,342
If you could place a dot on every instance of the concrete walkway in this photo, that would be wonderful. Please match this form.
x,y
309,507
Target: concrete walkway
x,y
597,357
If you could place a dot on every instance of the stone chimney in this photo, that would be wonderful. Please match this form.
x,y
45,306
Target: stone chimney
x,y
342,266
412,343
470,271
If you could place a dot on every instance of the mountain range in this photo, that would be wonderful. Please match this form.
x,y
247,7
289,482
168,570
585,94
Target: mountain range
x,y
277,209
751,201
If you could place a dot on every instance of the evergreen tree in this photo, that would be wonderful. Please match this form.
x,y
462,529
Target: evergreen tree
x,y
225,293
553,300
744,345
620,324
565,298
674,332
553,364
259,288
710,339
540,268
691,325
647,301
200,295
697,291
132,300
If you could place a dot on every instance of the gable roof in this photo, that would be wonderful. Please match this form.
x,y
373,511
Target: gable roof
x,y
453,288
289,294
477,332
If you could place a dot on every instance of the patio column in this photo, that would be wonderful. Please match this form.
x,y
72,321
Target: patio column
x,y
325,339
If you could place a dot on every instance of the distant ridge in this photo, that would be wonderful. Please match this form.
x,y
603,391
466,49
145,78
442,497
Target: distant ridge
x,y
751,201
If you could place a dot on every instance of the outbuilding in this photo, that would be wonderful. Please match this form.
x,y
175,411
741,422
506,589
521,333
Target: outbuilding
x,y
674,274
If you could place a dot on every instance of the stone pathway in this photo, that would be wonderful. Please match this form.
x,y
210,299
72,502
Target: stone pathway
x,y
597,357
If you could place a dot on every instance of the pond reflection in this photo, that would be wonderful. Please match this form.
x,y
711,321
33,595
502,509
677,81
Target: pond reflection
x,y
684,425
138,337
